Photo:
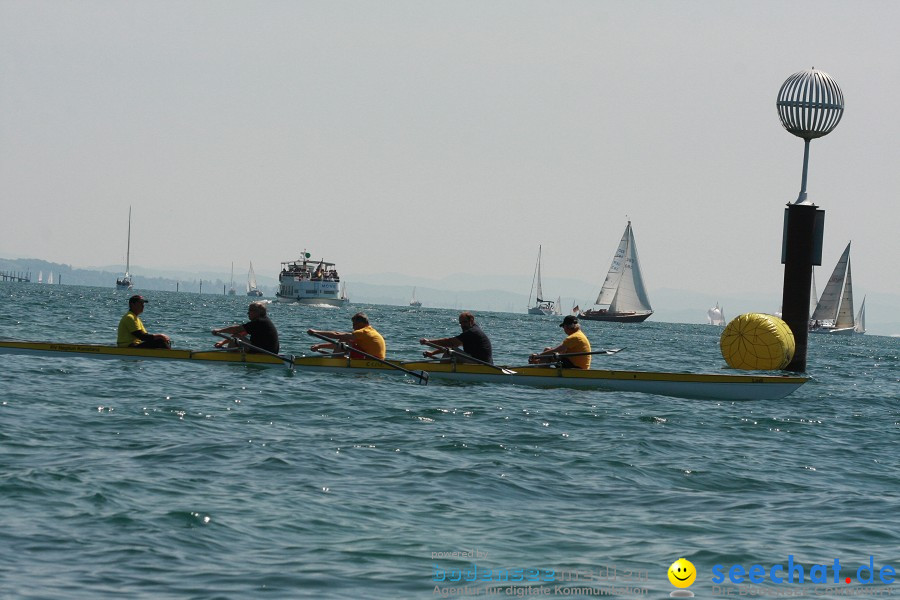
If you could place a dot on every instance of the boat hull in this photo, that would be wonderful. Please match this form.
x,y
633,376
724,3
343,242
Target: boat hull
x,y
616,317
305,291
536,310
313,300
686,385
834,331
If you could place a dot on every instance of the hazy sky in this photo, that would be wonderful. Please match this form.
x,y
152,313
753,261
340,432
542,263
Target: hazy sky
x,y
430,137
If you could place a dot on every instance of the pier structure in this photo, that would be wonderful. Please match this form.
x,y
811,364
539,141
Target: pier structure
x,y
18,276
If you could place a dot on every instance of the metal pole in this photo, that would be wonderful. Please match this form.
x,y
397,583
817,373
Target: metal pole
x,y
798,263
802,197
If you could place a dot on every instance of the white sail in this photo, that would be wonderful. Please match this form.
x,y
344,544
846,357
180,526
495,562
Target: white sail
x,y
860,326
413,302
715,316
541,306
623,288
252,287
540,291
50,278
611,283
845,312
251,278
829,304
40,277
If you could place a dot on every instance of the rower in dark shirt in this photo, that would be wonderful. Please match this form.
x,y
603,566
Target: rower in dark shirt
x,y
261,330
473,340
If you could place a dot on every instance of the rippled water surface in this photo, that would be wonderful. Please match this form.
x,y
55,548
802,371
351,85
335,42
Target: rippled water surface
x,y
124,479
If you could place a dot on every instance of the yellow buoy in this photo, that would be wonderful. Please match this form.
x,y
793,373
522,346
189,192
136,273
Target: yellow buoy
x,y
757,341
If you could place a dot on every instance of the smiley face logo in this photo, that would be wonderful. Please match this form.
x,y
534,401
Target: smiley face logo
x,y
682,573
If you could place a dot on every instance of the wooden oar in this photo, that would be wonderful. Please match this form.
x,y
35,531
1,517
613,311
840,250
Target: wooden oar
x,y
504,370
422,376
288,360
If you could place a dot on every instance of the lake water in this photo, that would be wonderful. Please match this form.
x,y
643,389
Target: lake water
x,y
129,479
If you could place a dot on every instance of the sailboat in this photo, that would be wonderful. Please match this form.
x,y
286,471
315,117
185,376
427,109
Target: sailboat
x,y
40,277
50,278
413,302
231,290
834,311
125,282
623,292
541,306
343,296
252,289
556,310
715,316
860,326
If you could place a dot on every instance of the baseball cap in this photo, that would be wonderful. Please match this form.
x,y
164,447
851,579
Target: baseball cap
x,y
137,298
569,320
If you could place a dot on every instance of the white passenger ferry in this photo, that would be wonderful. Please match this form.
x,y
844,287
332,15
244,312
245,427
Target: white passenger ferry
x,y
309,282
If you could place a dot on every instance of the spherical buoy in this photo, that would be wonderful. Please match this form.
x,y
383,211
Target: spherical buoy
x,y
757,341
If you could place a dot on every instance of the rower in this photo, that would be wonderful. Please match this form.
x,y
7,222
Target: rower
x,y
132,332
364,337
575,342
261,330
472,339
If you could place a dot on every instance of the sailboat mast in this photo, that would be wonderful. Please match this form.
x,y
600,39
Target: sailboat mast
x,y
128,247
534,277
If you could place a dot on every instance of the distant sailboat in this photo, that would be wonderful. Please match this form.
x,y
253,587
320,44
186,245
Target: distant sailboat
x,y
40,277
343,296
834,311
50,278
413,302
556,309
623,291
860,326
125,282
541,306
231,290
715,316
252,289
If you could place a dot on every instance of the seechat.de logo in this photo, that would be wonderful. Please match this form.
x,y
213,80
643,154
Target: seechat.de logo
x,y
682,574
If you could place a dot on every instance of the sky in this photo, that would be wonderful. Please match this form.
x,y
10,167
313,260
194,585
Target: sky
x,y
436,138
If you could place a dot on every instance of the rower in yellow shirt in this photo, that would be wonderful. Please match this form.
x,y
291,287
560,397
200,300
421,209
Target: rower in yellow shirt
x,y
575,342
132,332
364,338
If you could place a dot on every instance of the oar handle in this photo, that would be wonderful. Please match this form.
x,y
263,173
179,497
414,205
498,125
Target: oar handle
x,y
421,375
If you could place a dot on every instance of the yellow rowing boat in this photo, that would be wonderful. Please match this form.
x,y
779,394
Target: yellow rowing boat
x,y
726,386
